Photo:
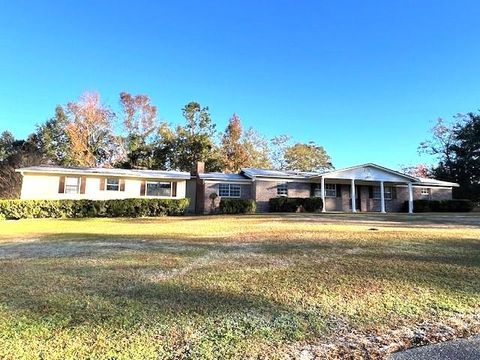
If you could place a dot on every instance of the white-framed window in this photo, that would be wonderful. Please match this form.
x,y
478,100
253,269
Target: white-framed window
x,y
113,184
387,192
159,188
425,191
72,185
331,190
282,189
229,190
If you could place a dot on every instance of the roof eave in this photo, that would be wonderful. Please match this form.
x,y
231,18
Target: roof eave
x,y
86,173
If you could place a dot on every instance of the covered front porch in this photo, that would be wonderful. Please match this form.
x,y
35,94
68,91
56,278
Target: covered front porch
x,y
365,188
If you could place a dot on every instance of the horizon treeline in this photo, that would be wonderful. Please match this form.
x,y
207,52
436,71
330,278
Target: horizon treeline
x,y
88,133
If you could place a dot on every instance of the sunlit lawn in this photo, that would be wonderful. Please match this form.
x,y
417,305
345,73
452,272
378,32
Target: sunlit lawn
x,y
232,287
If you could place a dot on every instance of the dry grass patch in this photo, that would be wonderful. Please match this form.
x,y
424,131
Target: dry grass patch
x,y
236,287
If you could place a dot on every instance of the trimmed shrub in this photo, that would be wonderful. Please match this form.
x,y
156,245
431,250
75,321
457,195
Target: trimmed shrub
x,y
237,206
457,205
290,204
285,204
21,209
313,204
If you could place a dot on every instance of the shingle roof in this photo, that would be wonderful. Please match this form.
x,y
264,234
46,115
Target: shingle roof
x,y
254,172
223,177
435,182
153,174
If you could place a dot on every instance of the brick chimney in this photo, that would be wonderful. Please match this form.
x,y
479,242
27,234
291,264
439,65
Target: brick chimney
x,y
199,168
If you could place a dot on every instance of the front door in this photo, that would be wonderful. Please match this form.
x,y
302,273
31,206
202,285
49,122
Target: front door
x,y
358,199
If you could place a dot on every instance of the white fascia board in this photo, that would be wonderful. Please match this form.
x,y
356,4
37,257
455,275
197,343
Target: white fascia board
x,y
427,186
82,173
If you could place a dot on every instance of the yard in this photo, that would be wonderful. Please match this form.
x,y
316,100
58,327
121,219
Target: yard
x,y
268,286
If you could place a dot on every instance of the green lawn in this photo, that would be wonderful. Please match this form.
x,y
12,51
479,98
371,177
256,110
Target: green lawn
x,y
263,286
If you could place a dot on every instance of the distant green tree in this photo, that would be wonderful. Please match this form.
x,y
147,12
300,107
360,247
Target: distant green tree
x,y
182,147
16,154
6,145
457,148
307,157
52,139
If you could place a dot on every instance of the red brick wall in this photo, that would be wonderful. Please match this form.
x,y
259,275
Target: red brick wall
x,y
213,187
265,190
373,205
262,191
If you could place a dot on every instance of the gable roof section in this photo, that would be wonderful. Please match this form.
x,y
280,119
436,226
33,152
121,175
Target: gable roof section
x,y
370,175
352,169
409,178
151,174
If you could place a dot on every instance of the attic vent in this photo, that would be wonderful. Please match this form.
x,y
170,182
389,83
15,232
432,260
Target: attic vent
x,y
367,173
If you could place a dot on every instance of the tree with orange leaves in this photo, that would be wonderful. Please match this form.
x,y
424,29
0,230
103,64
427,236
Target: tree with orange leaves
x,y
92,140
232,150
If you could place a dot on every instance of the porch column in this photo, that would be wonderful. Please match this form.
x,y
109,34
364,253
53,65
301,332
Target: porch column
x,y
322,193
353,195
410,198
382,197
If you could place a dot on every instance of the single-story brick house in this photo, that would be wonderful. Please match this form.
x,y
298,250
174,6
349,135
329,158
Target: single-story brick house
x,y
365,188
374,188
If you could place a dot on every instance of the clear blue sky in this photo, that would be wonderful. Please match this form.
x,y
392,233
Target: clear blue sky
x,y
366,79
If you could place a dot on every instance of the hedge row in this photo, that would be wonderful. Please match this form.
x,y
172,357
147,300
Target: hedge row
x,y
420,206
237,206
287,204
21,209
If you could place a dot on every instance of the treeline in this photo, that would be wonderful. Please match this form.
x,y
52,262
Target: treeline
x,y
87,133
456,144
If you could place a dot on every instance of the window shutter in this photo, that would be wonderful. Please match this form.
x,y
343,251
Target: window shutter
x,y
370,192
102,184
83,181
174,189
339,190
61,185
143,186
122,184
394,192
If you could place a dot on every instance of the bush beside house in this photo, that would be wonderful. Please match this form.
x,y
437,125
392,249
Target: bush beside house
x,y
457,205
21,209
291,204
237,206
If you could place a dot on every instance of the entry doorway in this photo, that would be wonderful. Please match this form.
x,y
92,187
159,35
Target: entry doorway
x,y
358,198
